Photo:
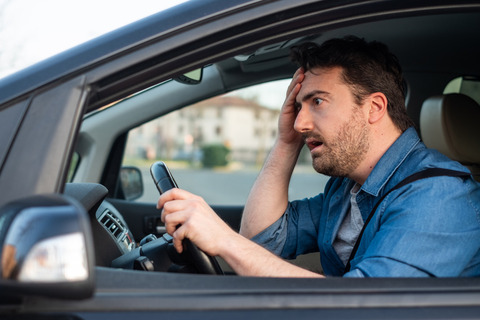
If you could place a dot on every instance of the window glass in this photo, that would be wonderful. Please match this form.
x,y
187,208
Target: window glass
x,y
215,148
73,166
469,86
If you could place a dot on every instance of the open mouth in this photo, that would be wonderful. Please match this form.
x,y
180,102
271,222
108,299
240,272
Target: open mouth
x,y
313,143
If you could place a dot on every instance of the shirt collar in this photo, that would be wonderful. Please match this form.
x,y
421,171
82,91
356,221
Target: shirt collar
x,y
390,161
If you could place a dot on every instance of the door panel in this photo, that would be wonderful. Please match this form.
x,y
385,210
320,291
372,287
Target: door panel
x,y
47,131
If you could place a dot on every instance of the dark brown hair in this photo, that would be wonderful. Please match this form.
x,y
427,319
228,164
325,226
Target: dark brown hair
x,y
368,67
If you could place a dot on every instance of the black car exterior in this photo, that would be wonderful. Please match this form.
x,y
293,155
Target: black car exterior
x,y
41,112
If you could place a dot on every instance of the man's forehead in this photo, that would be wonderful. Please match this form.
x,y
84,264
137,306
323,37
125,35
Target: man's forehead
x,y
319,79
321,72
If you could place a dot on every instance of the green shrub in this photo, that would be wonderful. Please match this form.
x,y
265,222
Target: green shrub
x,y
215,155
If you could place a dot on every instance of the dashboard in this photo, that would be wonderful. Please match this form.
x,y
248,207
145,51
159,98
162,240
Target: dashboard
x,y
111,235
112,221
115,246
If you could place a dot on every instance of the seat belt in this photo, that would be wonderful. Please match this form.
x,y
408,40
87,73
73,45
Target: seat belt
x,y
427,173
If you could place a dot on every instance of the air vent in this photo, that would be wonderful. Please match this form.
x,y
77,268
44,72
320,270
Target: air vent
x,y
112,224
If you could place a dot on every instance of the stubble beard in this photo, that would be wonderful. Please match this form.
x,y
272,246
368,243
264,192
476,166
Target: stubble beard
x,y
344,153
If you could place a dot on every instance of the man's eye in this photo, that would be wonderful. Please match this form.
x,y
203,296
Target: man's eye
x,y
317,101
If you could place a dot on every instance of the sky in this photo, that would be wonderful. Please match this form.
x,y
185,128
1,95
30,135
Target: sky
x,y
33,30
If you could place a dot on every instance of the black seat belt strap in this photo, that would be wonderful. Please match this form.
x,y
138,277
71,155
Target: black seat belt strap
x,y
427,173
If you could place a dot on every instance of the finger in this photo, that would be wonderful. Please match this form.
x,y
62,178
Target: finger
x,y
298,73
165,197
297,78
174,194
293,93
174,214
289,105
172,206
172,221
178,236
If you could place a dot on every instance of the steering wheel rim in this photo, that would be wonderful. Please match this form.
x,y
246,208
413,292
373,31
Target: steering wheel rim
x,y
194,259
204,263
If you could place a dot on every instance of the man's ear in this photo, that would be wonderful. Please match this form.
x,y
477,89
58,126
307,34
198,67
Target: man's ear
x,y
377,107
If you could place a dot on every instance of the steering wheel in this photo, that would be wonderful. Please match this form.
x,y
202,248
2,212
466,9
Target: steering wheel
x,y
202,262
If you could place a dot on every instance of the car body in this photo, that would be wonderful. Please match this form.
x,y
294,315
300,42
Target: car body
x,y
80,106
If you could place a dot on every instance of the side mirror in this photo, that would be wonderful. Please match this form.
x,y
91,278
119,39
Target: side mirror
x,y
46,248
131,182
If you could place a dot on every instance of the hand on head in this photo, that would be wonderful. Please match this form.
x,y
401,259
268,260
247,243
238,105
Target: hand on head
x,y
286,132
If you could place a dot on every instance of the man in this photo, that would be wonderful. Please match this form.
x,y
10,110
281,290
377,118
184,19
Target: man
x,y
346,103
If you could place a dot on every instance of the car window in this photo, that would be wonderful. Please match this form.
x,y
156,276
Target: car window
x,y
469,86
73,166
215,148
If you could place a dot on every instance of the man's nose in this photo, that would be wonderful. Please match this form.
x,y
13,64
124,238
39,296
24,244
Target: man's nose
x,y
303,122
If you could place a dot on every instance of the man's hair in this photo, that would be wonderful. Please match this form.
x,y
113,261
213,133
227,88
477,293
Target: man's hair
x,y
367,67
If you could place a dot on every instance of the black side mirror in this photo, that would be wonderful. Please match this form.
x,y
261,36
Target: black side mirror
x,y
131,182
46,248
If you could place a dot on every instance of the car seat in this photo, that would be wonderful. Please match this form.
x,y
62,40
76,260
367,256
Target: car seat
x,y
450,123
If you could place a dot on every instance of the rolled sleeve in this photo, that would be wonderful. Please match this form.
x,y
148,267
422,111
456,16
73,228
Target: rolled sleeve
x,y
294,233
274,237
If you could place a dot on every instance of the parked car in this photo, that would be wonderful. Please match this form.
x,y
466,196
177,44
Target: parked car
x,y
79,232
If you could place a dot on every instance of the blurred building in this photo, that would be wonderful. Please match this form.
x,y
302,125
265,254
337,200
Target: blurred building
x,y
245,127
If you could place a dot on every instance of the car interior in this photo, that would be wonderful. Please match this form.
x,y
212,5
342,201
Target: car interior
x,y
449,123
439,55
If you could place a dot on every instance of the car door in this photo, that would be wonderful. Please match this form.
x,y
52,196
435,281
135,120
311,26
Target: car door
x,y
38,134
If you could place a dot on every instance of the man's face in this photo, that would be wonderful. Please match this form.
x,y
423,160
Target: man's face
x,y
334,128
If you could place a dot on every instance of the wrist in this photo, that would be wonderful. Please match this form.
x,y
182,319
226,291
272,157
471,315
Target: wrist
x,y
229,245
289,149
284,156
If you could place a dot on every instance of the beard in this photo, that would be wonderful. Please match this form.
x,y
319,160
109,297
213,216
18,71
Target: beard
x,y
344,152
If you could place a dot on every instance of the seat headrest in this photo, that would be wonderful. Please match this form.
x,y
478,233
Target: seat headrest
x,y
450,123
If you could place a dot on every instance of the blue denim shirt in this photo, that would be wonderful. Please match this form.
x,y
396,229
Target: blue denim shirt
x,y
430,227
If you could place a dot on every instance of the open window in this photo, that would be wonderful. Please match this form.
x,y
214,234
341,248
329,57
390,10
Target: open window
x,y
216,147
